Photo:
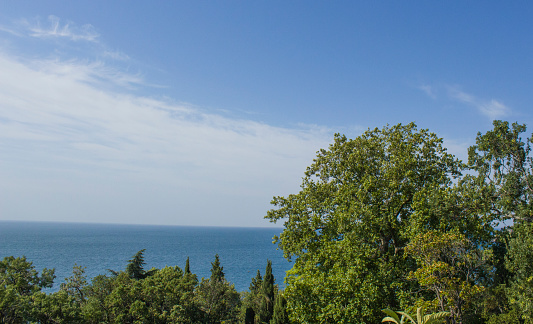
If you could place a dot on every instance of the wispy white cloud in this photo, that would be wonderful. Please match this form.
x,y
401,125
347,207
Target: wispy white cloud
x,y
95,72
65,132
428,90
56,29
11,31
491,108
116,55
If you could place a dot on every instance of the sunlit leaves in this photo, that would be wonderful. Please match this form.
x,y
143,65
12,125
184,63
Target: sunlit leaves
x,y
350,222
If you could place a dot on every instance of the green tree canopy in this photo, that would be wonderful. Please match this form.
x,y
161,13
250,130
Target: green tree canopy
x,y
20,283
351,220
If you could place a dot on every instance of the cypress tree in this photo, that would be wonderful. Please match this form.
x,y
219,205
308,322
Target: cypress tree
x,y
256,283
267,292
216,271
249,318
187,268
280,315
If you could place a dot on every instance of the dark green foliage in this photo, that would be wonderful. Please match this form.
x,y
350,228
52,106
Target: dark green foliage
x,y
261,299
251,300
249,317
266,307
187,266
280,315
135,267
256,283
216,270
267,286
217,298
520,264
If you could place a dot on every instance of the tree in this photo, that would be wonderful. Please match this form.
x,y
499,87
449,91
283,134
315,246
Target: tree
x,y
187,266
504,165
135,267
349,224
76,284
166,296
57,307
216,270
217,298
249,316
256,283
280,315
19,283
251,301
96,308
169,297
266,308
449,266
520,263
505,173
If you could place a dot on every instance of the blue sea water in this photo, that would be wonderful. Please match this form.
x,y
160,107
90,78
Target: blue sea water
x,y
99,247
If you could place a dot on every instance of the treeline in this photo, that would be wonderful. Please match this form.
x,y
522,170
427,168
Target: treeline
x,y
135,295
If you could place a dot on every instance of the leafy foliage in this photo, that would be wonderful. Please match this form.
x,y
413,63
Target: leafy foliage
x,y
19,283
351,220
449,266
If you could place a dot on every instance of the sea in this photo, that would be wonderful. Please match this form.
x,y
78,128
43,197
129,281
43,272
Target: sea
x,y
99,247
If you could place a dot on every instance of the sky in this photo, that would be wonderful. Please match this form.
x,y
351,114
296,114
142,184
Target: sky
x,y
200,112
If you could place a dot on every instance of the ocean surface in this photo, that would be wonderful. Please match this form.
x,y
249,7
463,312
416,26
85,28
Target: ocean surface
x,y
99,247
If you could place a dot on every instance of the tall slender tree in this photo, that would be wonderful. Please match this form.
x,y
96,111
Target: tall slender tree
x,y
256,283
280,315
267,295
216,270
187,266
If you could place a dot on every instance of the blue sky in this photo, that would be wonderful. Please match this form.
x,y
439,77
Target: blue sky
x,y
199,112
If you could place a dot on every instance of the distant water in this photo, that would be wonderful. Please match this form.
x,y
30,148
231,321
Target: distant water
x,y
99,247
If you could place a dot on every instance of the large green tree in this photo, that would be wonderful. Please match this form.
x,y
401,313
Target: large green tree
x,y
349,224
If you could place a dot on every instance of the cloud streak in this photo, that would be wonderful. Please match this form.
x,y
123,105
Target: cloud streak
x,y
493,109
56,29
428,90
